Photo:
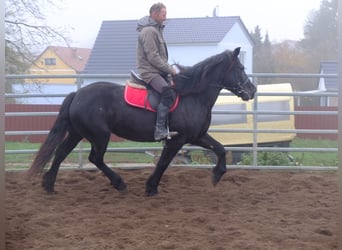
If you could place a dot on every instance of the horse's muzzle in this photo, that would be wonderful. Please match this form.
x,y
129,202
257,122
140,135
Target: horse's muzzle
x,y
247,92
245,96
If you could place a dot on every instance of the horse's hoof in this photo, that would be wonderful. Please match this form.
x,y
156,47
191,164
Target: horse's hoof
x,y
49,189
151,192
121,187
216,177
123,191
50,192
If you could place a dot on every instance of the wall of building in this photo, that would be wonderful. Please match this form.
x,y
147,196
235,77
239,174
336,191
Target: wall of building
x,y
190,54
59,69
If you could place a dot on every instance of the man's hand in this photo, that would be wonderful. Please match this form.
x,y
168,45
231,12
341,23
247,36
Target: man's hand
x,y
174,71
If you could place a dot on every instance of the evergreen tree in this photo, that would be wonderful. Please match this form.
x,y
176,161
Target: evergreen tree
x,y
267,55
262,55
320,33
257,39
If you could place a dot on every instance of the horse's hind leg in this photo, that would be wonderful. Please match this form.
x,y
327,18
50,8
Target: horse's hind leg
x,y
61,153
98,149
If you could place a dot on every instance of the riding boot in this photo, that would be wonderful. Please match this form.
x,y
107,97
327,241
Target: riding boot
x,y
167,99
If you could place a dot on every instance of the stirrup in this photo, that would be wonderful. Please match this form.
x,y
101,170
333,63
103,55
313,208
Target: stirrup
x,y
165,135
170,133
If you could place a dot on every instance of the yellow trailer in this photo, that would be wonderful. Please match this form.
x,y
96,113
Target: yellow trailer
x,y
238,119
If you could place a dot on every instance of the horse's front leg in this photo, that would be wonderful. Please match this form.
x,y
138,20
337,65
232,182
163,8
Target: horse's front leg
x,y
169,151
208,142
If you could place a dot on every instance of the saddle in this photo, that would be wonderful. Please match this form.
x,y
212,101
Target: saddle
x,y
139,94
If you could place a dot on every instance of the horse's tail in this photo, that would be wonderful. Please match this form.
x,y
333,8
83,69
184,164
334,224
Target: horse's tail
x,y
54,138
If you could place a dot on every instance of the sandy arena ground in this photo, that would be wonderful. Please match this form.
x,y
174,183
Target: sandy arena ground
x,y
247,210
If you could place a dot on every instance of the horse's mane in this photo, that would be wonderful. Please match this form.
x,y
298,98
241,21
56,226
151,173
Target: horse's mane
x,y
195,79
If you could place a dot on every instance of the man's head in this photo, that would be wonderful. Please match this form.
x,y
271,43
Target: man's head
x,y
158,12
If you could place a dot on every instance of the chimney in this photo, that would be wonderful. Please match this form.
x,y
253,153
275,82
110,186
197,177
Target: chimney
x,y
216,11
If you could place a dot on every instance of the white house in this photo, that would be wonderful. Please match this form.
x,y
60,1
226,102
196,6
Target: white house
x,y
328,84
189,41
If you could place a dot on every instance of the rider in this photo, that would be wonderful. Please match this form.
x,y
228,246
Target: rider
x,y
153,66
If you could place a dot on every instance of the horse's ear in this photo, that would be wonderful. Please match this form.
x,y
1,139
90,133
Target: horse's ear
x,y
236,52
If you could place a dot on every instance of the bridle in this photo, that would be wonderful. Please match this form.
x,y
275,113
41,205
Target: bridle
x,y
239,91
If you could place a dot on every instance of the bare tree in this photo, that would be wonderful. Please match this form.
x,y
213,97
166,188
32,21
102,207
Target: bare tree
x,y
27,31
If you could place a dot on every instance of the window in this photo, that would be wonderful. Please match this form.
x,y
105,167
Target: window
x,y
50,61
223,119
273,106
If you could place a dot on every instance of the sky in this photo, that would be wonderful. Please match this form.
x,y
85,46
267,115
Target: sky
x,y
282,19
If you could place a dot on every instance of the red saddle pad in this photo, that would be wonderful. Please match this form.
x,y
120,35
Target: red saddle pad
x,y
137,97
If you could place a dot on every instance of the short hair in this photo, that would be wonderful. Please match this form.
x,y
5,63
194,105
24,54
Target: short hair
x,y
157,7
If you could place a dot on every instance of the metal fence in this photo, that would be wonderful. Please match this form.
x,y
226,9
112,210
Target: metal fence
x,y
254,149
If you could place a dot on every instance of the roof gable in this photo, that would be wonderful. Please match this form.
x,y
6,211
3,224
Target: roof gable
x,y
114,51
76,58
329,67
198,30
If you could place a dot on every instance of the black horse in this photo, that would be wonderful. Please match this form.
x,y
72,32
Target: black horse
x,y
99,109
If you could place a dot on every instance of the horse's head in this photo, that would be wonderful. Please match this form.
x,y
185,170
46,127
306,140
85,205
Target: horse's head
x,y
236,79
220,71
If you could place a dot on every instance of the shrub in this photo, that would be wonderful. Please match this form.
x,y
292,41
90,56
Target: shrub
x,y
268,159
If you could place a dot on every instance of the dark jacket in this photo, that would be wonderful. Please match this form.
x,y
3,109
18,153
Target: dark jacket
x,y
152,54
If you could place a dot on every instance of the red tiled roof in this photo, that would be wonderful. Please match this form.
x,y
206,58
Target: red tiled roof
x,y
76,58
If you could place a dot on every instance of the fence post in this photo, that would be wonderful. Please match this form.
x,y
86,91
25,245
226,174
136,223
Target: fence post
x,y
339,79
80,144
255,125
2,128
